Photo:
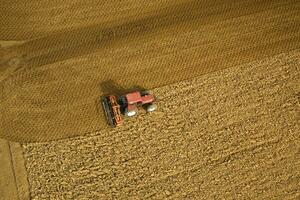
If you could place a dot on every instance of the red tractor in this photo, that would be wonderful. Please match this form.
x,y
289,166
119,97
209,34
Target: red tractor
x,y
127,105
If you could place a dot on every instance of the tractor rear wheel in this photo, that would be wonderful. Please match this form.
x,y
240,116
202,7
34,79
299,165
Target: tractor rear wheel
x,y
130,113
151,107
145,92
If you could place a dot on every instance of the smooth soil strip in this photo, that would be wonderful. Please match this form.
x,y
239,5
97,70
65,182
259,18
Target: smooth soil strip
x,y
229,134
22,21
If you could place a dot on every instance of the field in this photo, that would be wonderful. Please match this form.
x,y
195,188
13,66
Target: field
x,y
226,75
66,71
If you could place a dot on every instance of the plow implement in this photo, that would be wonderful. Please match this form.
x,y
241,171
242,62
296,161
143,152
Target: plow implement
x,y
112,110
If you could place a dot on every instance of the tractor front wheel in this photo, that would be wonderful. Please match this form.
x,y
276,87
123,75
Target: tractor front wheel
x,y
151,107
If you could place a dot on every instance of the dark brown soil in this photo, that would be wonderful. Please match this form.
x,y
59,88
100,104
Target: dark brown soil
x,y
52,83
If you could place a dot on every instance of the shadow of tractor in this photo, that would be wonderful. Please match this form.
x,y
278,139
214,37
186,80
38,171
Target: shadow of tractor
x,y
110,87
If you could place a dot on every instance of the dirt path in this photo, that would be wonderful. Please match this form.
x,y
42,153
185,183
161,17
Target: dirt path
x,y
233,134
66,71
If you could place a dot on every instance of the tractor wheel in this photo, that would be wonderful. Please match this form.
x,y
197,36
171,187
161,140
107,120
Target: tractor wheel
x,y
145,92
130,113
151,107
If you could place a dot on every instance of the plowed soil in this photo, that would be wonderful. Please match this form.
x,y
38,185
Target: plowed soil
x,y
232,134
